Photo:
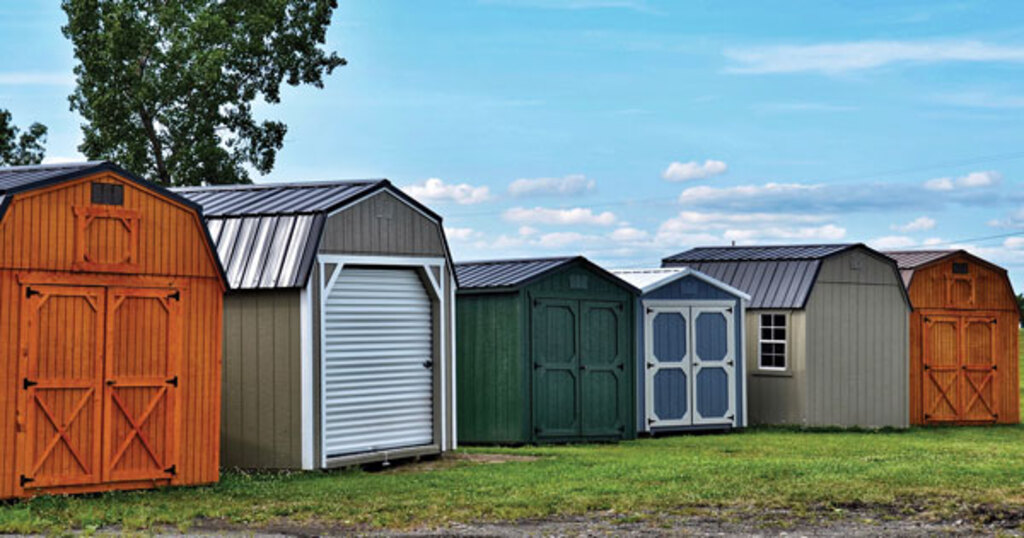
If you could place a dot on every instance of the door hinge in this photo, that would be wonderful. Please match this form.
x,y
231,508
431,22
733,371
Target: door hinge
x,y
621,366
176,296
29,292
927,367
650,310
173,381
428,363
26,383
621,308
536,303
731,417
995,321
537,366
729,310
995,367
651,421
650,365
927,320
111,382
25,480
583,367
538,430
730,363
622,428
172,470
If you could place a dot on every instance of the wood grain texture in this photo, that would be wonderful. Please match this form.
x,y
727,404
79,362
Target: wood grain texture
x,y
112,314
971,322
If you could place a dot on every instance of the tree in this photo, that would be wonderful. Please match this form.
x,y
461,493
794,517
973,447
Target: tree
x,y
167,88
17,148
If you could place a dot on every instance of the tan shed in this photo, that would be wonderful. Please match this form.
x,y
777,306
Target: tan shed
x,y
338,326
827,329
110,307
963,339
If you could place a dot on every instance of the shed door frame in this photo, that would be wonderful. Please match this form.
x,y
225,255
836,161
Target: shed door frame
x,y
100,288
438,289
692,365
964,391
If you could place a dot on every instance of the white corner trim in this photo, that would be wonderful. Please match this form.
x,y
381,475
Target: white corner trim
x,y
744,359
453,309
306,373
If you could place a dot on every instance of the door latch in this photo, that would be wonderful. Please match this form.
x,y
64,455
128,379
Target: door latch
x,y
428,363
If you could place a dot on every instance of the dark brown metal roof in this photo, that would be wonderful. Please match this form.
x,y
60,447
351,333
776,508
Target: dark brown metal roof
x,y
759,253
506,273
770,284
277,198
912,259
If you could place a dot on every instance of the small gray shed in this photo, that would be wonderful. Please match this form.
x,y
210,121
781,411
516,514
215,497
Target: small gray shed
x,y
338,342
828,326
690,371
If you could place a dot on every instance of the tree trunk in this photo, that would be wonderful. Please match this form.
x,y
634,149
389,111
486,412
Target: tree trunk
x,y
158,149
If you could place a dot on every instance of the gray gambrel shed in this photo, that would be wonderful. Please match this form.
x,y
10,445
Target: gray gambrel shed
x,y
827,331
338,326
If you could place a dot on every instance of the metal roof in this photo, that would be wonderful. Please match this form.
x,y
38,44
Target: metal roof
x,y
267,235
18,177
650,279
506,273
279,198
912,259
770,284
759,253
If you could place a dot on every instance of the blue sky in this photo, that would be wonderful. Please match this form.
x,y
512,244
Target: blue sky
x,y
628,130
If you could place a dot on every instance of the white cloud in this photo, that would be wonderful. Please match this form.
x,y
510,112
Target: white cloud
x,y
939,184
462,234
692,228
628,233
986,178
570,216
919,224
703,194
57,159
436,190
526,231
687,171
979,179
36,79
1014,242
932,241
833,58
889,242
561,186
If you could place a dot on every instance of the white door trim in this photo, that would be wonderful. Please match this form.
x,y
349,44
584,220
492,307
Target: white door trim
x,y
652,366
306,373
728,363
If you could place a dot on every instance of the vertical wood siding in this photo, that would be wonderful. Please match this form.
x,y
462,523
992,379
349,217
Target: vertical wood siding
x,y
261,405
993,296
382,225
37,239
778,397
493,398
857,344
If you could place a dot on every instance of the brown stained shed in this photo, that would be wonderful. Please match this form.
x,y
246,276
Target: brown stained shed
x,y
111,297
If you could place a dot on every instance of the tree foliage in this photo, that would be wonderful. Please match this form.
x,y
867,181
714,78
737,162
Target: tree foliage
x,y
168,88
18,148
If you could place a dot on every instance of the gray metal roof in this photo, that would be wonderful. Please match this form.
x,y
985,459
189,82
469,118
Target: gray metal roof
x,y
782,284
759,253
267,235
18,177
506,273
277,199
912,259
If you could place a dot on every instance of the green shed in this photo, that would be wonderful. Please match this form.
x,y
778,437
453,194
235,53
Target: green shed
x,y
545,352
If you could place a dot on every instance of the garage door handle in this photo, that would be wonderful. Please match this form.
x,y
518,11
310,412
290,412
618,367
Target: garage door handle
x,y
428,364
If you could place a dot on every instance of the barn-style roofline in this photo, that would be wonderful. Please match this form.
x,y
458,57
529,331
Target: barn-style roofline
x,y
650,279
776,276
19,179
292,212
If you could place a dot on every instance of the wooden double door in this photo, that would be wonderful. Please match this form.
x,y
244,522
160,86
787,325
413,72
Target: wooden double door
x,y
959,368
581,369
98,385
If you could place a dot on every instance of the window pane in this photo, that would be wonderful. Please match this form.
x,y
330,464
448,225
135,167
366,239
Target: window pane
x,y
779,334
766,320
780,361
780,320
766,333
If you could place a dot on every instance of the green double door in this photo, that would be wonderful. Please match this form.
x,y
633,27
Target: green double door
x,y
581,369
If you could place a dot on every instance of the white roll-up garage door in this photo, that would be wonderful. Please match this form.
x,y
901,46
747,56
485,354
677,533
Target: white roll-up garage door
x,y
378,369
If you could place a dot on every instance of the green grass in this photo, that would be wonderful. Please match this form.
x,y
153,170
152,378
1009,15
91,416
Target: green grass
x,y
932,469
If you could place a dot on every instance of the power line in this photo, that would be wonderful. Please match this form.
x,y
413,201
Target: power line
x,y
969,240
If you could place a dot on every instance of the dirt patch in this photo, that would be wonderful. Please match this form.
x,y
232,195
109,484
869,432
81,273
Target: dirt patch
x,y
819,521
446,461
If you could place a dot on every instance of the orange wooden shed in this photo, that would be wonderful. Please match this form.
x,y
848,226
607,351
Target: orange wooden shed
x,y
963,339
110,333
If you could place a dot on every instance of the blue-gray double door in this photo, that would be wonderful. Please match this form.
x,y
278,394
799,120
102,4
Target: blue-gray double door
x,y
690,364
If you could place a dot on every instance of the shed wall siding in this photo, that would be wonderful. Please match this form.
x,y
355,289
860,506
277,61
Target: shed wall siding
x,y
382,225
37,234
493,398
261,403
778,397
857,344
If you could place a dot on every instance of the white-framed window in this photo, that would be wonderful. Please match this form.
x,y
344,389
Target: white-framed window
x,y
771,345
